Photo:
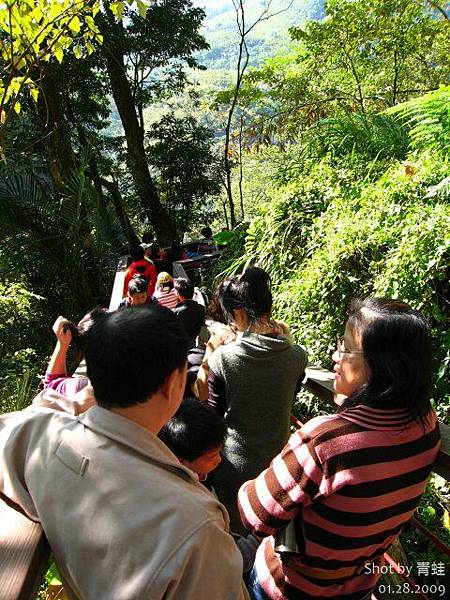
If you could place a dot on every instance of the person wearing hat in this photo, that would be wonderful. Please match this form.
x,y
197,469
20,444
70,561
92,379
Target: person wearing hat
x,y
165,293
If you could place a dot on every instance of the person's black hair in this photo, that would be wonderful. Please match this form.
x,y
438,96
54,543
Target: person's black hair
x,y
130,353
80,331
175,252
214,309
396,346
137,285
195,429
249,291
184,287
207,232
147,238
154,251
137,253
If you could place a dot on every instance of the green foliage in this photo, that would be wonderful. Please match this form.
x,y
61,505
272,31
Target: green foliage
x,y
276,239
331,233
21,331
372,54
268,36
34,32
226,264
376,136
67,248
188,170
362,58
428,118
431,512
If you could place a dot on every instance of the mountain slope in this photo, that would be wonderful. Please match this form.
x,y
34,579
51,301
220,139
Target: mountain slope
x,y
220,28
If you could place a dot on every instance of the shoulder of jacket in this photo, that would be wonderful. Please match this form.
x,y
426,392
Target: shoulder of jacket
x,y
318,426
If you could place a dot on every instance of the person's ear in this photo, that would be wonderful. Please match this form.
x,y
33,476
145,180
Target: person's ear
x,y
173,387
240,318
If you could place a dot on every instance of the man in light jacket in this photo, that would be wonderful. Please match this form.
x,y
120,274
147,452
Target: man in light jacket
x,y
124,518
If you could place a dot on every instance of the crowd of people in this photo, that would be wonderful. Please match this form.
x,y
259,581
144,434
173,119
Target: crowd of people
x,y
169,470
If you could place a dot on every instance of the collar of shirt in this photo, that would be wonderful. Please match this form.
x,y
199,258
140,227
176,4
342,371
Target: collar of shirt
x,y
378,419
128,433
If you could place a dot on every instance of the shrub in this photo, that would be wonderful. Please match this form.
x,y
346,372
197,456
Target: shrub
x,y
23,347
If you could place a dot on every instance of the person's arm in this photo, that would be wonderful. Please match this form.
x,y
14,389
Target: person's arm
x,y
57,365
298,385
207,565
292,480
74,404
56,377
151,280
217,392
126,282
200,386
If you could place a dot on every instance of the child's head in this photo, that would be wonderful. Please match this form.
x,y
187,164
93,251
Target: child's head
x,y
137,290
207,232
136,253
184,288
196,435
164,280
155,252
147,248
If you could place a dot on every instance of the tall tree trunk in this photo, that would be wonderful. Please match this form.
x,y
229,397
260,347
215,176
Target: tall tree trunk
x,y
113,189
61,158
241,173
99,182
164,227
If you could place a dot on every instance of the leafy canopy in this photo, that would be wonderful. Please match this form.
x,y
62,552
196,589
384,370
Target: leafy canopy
x,y
33,32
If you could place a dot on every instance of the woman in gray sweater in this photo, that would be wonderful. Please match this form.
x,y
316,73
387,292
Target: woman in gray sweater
x,y
252,382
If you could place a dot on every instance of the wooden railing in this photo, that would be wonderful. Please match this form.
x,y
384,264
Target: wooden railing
x,y
24,550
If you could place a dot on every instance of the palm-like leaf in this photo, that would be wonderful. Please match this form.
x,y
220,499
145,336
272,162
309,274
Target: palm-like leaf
x,y
25,204
78,235
428,119
375,136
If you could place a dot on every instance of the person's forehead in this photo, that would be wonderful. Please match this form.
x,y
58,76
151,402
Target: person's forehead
x,y
213,451
352,335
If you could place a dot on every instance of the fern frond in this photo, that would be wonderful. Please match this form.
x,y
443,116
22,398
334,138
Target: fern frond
x,y
428,119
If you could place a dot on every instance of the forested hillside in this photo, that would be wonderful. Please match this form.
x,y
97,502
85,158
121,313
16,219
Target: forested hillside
x,y
220,28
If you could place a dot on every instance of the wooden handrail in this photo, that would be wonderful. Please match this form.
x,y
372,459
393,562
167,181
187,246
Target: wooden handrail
x,y
24,555
119,280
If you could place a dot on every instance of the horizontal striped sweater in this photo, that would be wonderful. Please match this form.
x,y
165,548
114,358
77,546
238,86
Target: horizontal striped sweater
x,y
167,298
350,482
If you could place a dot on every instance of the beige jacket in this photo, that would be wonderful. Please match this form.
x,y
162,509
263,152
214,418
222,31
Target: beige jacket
x,y
125,520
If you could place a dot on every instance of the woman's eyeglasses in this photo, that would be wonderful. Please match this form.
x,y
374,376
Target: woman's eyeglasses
x,y
341,349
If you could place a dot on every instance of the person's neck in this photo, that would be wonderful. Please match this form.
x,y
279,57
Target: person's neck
x,y
148,414
262,328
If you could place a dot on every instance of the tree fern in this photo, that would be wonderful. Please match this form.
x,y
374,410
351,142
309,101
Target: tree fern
x,y
373,135
428,119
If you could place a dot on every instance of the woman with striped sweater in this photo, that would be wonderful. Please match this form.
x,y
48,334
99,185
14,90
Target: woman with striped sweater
x,y
350,481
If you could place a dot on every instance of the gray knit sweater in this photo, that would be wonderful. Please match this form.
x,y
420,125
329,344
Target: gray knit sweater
x,y
258,375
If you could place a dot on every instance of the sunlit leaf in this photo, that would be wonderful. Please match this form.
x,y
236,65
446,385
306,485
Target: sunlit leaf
x,y
142,8
446,520
74,24
59,54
